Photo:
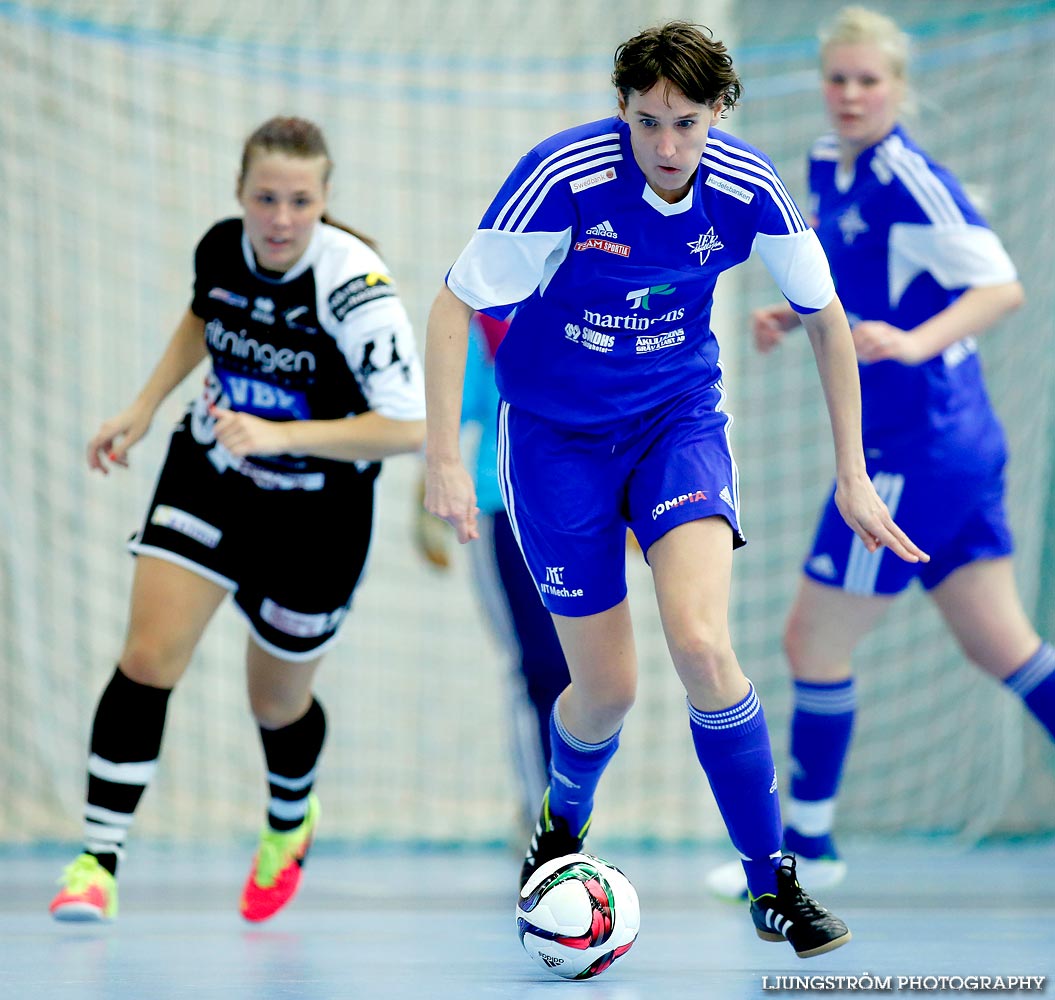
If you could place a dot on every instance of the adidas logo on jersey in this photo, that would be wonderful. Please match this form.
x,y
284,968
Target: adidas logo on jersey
x,y
603,229
724,495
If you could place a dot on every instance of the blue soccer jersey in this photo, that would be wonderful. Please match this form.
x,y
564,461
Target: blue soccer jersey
x,y
612,285
904,242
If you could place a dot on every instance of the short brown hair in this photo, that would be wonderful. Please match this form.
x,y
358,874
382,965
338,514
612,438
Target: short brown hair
x,y
682,55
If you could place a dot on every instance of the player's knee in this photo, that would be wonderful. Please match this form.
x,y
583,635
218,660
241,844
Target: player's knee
x,y
152,662
812,656
799,647
618,699
276,710
704,655
607,704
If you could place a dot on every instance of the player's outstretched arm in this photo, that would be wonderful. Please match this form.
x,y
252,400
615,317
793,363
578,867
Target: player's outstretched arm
x,y
855,496
449,490
973,313
186,348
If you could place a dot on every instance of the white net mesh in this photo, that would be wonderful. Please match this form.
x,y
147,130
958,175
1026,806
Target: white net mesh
x,y
122,125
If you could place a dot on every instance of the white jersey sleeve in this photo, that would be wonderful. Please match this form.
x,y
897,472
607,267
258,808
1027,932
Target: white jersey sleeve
x,y
380,348
949,239
499,267
799,266
360,308
957,256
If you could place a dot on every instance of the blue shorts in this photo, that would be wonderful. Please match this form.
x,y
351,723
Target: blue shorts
x,y
954,511
572,493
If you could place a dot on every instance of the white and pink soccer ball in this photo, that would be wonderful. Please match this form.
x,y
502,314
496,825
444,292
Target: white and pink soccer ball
x,y
577,915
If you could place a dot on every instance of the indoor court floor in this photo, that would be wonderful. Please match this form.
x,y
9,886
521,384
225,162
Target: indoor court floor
x,y
387,924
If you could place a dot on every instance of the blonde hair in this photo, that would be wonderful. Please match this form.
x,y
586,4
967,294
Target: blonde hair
x,y
862,26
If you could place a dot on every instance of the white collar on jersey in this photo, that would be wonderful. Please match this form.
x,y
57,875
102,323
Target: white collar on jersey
x,y
307,258
665,207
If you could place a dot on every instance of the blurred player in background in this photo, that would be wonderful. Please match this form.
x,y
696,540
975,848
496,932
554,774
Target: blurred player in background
x,y
504,588
920,274
608,239
266,493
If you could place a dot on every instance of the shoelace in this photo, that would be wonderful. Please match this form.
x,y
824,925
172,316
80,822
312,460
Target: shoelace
x,y
805,905
803,902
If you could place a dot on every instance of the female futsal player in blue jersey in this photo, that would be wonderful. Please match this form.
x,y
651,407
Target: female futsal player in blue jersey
x,y
267,493
920,274
608,239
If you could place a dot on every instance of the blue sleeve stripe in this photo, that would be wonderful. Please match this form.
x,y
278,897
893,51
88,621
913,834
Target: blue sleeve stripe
x,y
927,190
578,157
743,165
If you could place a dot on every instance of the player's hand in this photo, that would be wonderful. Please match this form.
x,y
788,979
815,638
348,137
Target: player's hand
x,y
769,325
431,536
116,435
450,495
867,515
243,434
875,341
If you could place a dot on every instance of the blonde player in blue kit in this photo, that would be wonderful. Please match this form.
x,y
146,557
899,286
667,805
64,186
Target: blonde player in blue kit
x,y
608,240
920,273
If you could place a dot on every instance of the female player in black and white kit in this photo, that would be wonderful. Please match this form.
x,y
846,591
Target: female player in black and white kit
x,y
266,493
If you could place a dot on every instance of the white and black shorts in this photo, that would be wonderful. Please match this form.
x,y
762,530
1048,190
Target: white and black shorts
x,y
291,558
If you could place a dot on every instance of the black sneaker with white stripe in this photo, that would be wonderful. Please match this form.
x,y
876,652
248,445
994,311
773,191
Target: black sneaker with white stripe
x,y
551,839
796,917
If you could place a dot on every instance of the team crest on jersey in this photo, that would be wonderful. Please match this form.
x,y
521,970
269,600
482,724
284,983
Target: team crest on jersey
x,y
851,225
360,290
707,243
592,180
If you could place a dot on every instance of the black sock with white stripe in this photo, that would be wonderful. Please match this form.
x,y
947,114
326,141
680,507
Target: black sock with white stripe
x,y
292,753
125,744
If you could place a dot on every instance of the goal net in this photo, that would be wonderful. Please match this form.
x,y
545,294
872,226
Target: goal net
x,y
122,127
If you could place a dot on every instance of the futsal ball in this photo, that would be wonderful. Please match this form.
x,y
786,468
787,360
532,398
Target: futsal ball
x,y
576,915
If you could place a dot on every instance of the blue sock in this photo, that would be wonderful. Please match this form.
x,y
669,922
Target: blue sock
x,y
733,747
821,727
1034,683
575,768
